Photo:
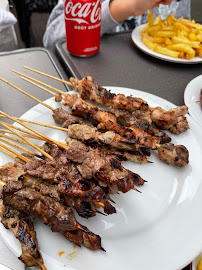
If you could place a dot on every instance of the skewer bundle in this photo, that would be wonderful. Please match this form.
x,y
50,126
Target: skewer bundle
x,y
84,171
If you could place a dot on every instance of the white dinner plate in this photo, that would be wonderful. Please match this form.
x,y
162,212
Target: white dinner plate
x,y
158,229
191,96
136,38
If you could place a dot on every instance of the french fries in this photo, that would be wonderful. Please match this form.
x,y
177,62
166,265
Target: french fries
x,y
178,38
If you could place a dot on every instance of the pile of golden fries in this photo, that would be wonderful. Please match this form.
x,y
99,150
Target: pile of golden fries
x,y
178,38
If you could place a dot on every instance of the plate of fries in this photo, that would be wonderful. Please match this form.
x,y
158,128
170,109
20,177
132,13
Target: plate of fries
x,y
175,40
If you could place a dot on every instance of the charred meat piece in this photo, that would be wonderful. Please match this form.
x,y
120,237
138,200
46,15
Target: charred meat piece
x,y
100,95
90,134
91,240
29,201
23,230
176,155
41,169
65,119
107,172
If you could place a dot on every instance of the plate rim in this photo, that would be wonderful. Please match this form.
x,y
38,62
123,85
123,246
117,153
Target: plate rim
x,y
135,37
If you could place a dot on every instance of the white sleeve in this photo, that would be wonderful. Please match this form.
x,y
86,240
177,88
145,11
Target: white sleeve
x,y
107,22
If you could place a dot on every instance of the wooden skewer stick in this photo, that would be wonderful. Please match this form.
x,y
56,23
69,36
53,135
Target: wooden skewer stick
x,y
36,132
43,267
42,83
26,140
31,135
25,93
15,153
39,86
39,124
47,75
12,138
7,153
18,146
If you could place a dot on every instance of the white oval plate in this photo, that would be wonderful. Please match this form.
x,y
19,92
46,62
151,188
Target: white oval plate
x,y
158,229
191,96
136,38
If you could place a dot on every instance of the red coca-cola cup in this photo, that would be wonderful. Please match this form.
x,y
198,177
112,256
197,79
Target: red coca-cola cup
x,y
83,24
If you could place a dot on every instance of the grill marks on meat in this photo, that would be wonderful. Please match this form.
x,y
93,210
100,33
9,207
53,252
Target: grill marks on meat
x,y
163,119
109,121
90,134
52,213
57,216
23,230
177,155
105,169
129,119
100,95
41,169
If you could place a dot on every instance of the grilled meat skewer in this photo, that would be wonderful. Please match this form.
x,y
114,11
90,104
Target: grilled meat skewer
x,y
109,121
85,197
100,95
58,217
23,230
110,138
128,119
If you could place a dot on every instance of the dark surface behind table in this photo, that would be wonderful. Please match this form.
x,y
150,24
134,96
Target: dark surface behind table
x,y
120,63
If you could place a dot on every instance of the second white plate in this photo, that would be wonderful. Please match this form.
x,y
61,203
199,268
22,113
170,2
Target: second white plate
x,y
191,98
136,38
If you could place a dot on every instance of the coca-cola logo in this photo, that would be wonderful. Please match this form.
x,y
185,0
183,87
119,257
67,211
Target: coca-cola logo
x,y
79,12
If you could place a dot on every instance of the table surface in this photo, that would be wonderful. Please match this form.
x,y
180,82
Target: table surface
x,y
120,63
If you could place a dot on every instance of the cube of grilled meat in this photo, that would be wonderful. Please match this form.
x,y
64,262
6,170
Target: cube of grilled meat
x,y
181,125
91,240
41,169
100,95
167,119
10,171
105,170
58,97
176,155
23,230
65,119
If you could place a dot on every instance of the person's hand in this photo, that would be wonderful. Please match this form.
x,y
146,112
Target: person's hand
x,y
122,9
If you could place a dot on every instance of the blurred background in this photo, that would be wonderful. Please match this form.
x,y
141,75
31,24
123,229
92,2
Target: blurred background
x,y
32,17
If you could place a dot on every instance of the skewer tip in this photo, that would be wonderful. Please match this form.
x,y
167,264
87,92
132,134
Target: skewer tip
x,y
79,227
103,249
43,267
